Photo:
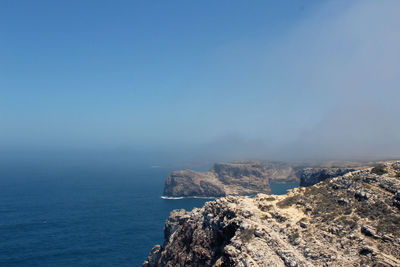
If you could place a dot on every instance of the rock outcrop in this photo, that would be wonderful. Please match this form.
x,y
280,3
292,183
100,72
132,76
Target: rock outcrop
x,y
311,176
192,183
240,178
350,220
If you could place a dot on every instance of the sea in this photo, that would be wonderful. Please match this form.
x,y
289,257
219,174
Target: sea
x,y
85,215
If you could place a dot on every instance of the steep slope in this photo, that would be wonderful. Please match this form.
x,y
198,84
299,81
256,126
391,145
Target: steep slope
x,y
350,220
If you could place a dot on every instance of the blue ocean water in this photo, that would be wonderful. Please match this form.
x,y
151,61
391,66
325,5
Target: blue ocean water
x,y
282,188
87,216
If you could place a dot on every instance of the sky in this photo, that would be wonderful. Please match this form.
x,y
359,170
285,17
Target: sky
x,y
209,80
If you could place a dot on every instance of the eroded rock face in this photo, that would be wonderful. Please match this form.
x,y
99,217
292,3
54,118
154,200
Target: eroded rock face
x,y
241,178
312,176
192,183
350,220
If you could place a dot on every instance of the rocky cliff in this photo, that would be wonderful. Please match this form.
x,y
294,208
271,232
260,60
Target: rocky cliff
x,y
350,220
311,176
240,178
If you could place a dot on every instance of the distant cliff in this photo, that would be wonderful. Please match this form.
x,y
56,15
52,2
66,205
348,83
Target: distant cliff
x,y
349,220
239,178
311,176
246,178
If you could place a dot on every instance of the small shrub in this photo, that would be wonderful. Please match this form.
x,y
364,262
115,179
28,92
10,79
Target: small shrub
x,y
379,170
379,209
269,199
389,224
327,217
296,235
347,211
345,221
247,235
287,202
314,190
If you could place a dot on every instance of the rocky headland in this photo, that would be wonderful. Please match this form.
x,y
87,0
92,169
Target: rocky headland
x,y
238,178
348,220
244,178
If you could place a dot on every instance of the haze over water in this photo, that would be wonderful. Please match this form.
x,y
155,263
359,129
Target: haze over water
x,y
210,80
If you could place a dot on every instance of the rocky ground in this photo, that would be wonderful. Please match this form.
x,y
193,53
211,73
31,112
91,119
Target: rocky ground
x,y
350,220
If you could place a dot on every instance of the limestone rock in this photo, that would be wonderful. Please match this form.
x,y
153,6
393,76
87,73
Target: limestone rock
x,y
306,227
239,178
312,176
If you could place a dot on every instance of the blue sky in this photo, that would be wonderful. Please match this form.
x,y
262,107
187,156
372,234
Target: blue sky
x,y
168,74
